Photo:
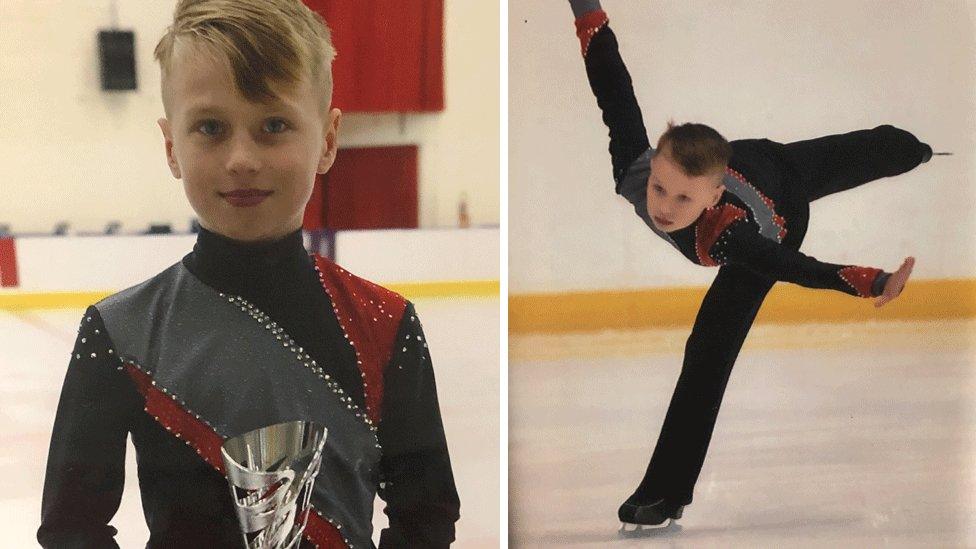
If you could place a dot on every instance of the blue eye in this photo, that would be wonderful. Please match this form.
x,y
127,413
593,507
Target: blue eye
x,y
683,198
276,123
213,127
658,189
209,127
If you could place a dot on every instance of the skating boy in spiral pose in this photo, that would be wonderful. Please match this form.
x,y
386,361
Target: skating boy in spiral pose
x,y
248,330
742,206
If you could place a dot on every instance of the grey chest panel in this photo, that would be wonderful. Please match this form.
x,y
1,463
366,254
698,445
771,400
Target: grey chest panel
x,y
761,207
239,374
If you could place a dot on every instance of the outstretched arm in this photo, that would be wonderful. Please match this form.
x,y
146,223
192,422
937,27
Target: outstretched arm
x,y
630,151
743,245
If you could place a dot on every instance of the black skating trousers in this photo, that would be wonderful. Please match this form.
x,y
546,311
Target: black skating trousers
x,y
814,169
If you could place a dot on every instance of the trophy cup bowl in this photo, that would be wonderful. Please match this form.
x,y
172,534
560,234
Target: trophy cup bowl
x,y
271,471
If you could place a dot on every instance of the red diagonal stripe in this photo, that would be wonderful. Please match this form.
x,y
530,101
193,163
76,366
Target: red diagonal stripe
x,y
370,316
322,533
184,425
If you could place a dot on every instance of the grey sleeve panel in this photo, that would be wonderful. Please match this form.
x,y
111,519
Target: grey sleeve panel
x,y
582,7
633,184
762,211
633,187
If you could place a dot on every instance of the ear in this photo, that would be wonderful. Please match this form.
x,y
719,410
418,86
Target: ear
x,y
718,194
330,141
167,130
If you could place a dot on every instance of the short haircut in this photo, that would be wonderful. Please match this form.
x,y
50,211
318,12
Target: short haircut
x,y
265,42
696,148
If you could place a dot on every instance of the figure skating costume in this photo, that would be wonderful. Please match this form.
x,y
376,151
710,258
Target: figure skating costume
x,y
232,338
752,234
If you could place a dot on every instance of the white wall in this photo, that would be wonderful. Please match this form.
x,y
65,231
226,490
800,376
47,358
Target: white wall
x,y
786,70
394,255
112,263
70,151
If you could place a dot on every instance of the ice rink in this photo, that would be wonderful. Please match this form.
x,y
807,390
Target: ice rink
x,y
856,435
463,336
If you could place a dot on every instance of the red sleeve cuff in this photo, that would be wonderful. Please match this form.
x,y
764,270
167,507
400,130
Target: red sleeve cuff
x,y
861,279
587,25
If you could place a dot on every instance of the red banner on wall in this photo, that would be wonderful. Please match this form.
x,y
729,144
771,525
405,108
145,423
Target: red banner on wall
x,y
372,188
8,262
390,55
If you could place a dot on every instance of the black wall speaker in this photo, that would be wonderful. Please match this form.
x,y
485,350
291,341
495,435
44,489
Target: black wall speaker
x,y
116,50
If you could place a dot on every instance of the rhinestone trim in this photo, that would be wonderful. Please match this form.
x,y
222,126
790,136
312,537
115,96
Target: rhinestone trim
x,y
300,355
336,525
587,26
777,219
860,279
345,332
139,371
718,221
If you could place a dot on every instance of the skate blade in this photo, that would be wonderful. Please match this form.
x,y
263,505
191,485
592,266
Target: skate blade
x,y
628,529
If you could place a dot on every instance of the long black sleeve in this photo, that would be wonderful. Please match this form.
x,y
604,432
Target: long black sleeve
x,y
86,462
742,245
613,88
416,478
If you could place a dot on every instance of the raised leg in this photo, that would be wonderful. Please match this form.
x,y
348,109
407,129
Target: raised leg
x,y
835,163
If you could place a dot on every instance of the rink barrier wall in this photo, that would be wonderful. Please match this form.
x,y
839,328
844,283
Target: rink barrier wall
x,y
677,306
419,263
412,290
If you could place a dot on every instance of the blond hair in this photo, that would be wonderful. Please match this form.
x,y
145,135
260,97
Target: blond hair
x,y
698,149
265,42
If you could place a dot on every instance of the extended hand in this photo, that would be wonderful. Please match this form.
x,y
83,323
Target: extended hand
x,y
896,282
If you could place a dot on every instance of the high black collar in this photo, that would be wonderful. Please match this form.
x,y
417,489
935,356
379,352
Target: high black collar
x,y
246,267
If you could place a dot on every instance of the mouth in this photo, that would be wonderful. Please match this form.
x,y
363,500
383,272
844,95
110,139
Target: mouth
x,y
661,220
246,193
246,197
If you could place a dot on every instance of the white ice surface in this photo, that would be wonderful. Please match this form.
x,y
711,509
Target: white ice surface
x,y
829,436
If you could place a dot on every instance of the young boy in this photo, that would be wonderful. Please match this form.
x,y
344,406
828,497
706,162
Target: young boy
x,y
248,330
743,206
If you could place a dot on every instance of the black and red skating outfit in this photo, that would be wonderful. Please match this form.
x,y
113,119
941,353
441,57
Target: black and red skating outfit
x,y
232,338
753,234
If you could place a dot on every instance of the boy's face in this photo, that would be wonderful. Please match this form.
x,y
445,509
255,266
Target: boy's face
x,y
265,155
675,199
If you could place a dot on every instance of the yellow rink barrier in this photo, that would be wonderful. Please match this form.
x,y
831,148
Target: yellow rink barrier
x,y
677,306
456,288
411,290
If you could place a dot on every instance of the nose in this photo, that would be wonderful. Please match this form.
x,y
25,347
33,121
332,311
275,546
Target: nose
x,y
243,157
